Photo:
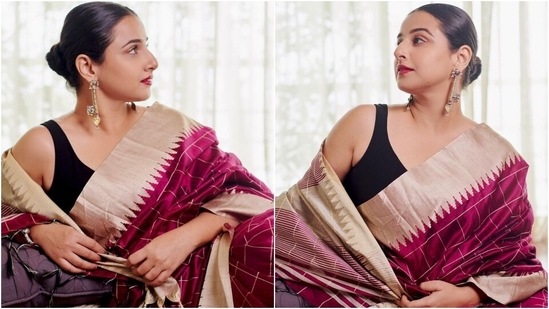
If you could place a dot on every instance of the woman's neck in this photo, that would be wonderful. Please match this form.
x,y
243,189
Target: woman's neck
x,y
114,115
429,113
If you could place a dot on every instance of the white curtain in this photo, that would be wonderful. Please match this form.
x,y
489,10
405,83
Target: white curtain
x,y
331,56
215,65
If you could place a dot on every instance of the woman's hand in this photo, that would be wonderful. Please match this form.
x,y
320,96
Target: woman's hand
x,y
69,249
157,260
444,294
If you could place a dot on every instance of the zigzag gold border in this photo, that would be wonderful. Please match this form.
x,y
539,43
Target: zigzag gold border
x,y
440,183
103,211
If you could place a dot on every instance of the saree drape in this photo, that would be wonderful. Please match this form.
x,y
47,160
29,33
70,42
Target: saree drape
x,y
462,216
162,174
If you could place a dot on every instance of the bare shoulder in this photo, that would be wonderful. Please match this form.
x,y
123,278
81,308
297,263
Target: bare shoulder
x,y
349,138
357,120
35,152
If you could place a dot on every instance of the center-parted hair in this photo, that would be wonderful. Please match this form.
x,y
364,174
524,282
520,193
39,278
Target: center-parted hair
x,y
88,30
459,29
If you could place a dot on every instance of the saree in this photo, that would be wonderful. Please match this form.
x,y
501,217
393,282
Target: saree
x,y
163,173
462,216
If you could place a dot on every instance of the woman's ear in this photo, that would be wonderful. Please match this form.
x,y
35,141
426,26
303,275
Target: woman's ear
x,y
86,67
463,57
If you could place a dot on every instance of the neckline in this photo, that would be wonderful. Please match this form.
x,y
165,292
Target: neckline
x,y
446,147
147,108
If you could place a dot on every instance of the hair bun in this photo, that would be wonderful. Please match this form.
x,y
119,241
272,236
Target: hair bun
x,y
56,60
474,69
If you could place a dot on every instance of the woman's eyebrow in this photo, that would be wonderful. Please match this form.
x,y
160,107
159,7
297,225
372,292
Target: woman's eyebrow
x,y
416,30
135,41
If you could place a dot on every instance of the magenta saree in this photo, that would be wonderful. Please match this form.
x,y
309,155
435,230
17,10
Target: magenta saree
x,y
462,217
164,172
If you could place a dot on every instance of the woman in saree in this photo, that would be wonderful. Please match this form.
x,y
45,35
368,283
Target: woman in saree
x,y
412,205
115,204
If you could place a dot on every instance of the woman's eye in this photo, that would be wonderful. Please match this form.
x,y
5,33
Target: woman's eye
x,y
418,40
133,50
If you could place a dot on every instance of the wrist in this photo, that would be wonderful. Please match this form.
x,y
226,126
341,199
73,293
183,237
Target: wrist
x,y
27,239
474,295
23,237
35,231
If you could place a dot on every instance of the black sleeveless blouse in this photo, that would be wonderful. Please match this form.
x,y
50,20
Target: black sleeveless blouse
x,y
70,174
378,167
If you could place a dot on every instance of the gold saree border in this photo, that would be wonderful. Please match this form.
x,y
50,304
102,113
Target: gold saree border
x,y
19,190
103,212
438,184
326,203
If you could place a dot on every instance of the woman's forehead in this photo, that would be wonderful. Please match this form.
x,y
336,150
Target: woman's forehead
x,y
420,20
128,28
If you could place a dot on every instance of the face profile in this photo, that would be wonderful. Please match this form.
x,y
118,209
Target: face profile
x,y
128,56
423,51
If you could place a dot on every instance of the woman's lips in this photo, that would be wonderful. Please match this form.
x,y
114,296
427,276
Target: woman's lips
x,y
402,69
147,81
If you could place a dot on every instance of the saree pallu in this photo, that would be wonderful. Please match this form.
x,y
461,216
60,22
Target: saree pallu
x,y
462,217
163,173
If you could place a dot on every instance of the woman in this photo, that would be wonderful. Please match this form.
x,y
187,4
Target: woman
x,y
122,205
412,205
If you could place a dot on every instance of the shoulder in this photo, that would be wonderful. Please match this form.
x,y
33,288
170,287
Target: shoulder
x,y
361,117
349,138
165,113
491,139
37,138
361,113
35,152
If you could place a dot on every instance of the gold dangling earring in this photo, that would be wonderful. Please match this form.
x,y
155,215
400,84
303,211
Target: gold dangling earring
x,y
454,96
410,101
93,110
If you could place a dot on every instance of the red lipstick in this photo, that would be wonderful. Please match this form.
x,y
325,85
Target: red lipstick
x,y
147,81
402,69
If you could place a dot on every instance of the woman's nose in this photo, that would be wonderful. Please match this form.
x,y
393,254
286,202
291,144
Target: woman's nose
x,y
153,63
400,51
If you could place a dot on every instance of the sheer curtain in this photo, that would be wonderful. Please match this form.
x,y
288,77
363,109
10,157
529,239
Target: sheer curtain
x,y
331,56
215,65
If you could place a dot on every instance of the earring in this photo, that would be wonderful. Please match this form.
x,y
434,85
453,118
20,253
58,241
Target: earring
x,y
93,110
410,101
454,96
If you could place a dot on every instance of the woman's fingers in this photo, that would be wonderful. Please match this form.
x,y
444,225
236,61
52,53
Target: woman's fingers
x,y
86,253
162,277
93,246
67,266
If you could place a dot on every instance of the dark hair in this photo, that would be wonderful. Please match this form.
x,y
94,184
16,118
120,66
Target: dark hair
x,y
459,29
88,30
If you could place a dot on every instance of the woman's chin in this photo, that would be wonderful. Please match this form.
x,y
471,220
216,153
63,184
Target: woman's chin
x,y
140,98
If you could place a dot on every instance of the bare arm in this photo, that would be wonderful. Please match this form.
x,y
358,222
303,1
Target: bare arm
x,y
69,249
349,139
35,153
157,260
